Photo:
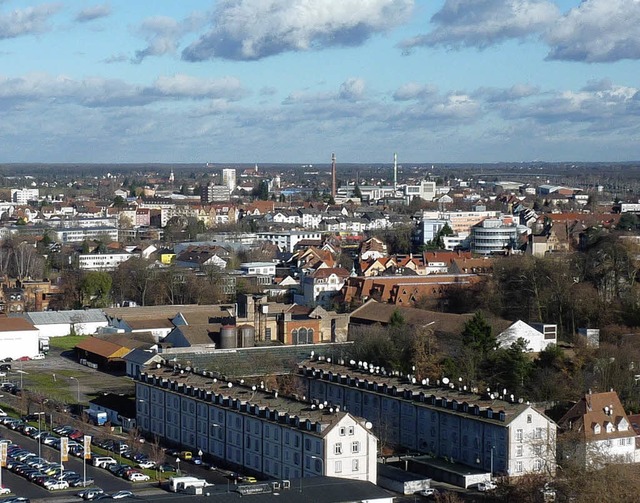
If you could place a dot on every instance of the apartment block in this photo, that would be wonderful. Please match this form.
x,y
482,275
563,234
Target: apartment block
x,y
252,428
494,432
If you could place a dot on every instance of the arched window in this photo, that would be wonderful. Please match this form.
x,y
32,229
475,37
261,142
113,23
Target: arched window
x,y
302,336
310,336
294,336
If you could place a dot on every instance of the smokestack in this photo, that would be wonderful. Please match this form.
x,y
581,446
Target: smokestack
x,y
395,172
333,175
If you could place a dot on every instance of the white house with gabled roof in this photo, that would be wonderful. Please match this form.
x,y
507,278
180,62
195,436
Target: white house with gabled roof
x,y
536,340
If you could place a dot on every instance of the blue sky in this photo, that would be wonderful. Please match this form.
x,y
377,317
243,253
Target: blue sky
x,y
294,80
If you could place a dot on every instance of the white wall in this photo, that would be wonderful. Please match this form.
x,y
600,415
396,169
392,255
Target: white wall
x,y
19,343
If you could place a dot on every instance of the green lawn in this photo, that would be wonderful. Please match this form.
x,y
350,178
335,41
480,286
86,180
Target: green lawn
x,y
59,388
67,342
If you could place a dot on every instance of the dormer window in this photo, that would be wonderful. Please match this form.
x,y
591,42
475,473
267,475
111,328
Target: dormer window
x,y
596,429
609,427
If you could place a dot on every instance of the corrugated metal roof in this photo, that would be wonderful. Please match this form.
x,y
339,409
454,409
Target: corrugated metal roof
x,y
73,316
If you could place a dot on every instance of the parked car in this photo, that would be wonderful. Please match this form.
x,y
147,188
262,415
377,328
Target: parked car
x,y
3,413
428,493
91,493
488,485
146,464
138,477
5,490
39,356
166,467
55,484
186,455
122,494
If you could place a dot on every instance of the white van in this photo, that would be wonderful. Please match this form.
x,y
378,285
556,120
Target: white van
x,y
181,484
104,461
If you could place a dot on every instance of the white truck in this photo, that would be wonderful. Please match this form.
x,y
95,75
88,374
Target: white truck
x,y
192,485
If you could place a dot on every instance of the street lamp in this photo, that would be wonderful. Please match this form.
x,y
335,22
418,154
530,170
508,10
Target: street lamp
x,y
200,455
78,383
21,372
321,465
178,462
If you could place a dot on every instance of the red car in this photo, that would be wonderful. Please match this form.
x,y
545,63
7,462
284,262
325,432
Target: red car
x,y
76,435
24,359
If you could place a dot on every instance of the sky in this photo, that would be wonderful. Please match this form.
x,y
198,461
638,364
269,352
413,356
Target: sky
x,y
291,81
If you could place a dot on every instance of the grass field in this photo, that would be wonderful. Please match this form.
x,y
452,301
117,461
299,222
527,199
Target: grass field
x,y
67,342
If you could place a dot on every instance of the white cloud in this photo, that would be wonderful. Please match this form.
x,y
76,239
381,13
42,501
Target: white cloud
x,y
352,89
163,34
255,29
481,23
515,92
92,13
27,21
186,86
101,92
597,31
414,91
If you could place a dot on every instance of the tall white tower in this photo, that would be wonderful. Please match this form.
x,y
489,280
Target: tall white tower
x,y
395,171
171,177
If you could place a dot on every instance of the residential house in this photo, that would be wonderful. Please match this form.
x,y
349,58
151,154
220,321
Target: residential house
x,y
596,431
322,285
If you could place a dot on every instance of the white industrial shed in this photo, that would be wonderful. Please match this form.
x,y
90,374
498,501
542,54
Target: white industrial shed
x,y
18,338
60,323
536,340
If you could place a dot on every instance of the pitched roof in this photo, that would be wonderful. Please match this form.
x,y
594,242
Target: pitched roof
x,y
15,325
323,273
598,409
71,316
102,348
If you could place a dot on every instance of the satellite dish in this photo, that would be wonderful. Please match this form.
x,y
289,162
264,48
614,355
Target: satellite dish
x,y
492,396
413,380
445,380
424,382
368,425
321,406
230,385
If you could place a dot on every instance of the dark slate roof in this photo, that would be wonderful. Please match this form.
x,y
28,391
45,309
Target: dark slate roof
x,y
124,405
311,490
139,356
256,361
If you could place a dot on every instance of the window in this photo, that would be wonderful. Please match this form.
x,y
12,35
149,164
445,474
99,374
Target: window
x,y
519,467
337,448
538,433
355,466
529,419
355,447
267,333
519,451
519,435
537,465
338,466
342,431
351,430
623,441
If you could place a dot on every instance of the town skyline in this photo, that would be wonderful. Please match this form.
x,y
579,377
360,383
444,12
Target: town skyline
x,y
449,81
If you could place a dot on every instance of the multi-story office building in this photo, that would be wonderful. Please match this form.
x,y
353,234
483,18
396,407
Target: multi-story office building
x,y
229,178
484,432
213,192
79,234
493,235
23,196
102,261
254,429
